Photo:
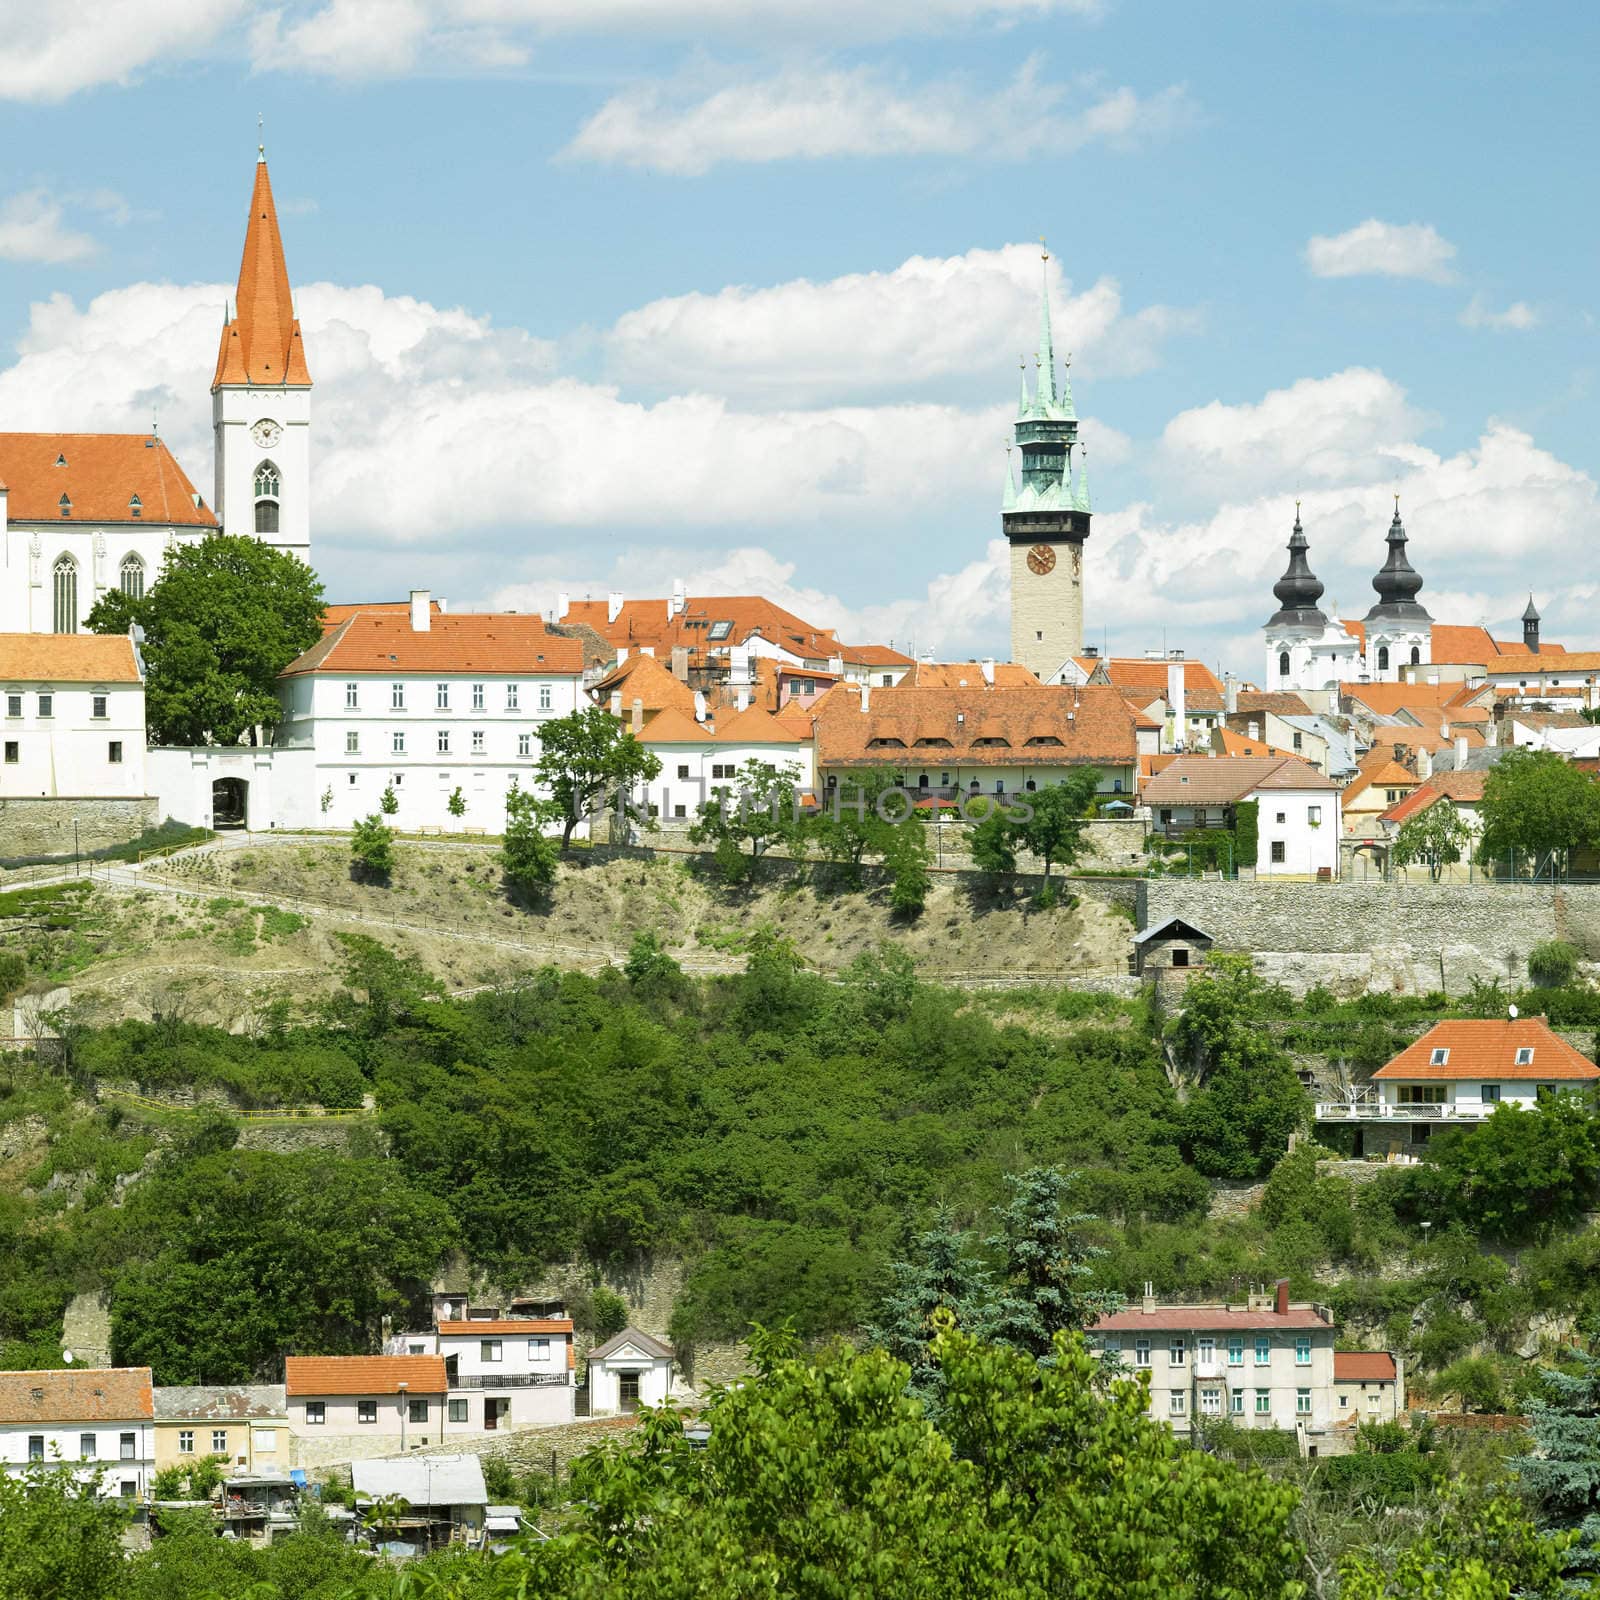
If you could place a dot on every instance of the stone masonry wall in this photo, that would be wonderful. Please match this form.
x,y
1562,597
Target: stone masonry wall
x,y
42,827
1403,938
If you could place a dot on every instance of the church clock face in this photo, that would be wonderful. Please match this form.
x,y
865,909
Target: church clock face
x,y
1041,559
266,433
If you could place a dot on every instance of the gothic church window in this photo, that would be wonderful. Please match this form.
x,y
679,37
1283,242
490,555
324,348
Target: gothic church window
x,y
1283,663
1416,656
132,577
66,595
267,486
1383,658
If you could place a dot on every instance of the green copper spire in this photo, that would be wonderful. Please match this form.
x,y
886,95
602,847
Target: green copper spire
x,y
1066,389
1023,402
1047,353
1080,494
1008,498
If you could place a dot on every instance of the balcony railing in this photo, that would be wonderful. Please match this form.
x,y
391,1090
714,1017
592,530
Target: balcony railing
x,y
513,1380
1378,1111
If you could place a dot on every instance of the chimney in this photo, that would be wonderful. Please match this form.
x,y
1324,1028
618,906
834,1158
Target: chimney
x,y
1253,729
679,600
622,654
1461,752
421,610
613,606
986,666
680,663
1424,764
699,706
836,666
1491,732
638,716
563,605
866,696
742,700
616,704
1149,1303
1282,1304
1180,721
1230,694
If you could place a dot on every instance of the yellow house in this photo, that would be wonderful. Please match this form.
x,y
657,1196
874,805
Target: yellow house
x,y
246,1424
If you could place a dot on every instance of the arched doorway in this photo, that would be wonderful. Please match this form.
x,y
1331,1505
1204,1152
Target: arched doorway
x,y
230,803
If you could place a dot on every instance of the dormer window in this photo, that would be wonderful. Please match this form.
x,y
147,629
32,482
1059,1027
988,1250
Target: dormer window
x,y
61,461
135,506
1439,1058
65,506
1525,1056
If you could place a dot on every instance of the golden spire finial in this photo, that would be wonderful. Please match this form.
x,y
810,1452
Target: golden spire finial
x,y
261,147
1044,254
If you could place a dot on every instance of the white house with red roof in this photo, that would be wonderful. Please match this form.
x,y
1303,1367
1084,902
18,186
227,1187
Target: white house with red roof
x,y
423,703
82,514
1368,1386
1265,1364
73,724
699,757
1462,1071
502,1371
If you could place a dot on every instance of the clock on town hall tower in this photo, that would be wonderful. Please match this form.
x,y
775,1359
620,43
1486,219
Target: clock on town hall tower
x,y
1046,519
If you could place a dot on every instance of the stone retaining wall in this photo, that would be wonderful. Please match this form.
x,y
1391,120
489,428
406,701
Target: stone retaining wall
x,y
35,826
1400,938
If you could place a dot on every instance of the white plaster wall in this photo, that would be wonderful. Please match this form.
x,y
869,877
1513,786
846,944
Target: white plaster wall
x,y
655,1379
61,1445
68,753
1307,847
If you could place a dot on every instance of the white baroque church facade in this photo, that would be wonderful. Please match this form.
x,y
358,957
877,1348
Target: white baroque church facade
x,y
82,514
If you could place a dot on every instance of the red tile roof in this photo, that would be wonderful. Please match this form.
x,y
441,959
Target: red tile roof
x,y
1363,1366
642,677
1237,744
1422,700
1180,1319
78,1394
1464,788
1566,663
67,658
966,675
323,1375
261,342
509,1328
877,655
333,615
1224,780
1279,702
1048,726
1488,1049
101,474
1134,672
499,643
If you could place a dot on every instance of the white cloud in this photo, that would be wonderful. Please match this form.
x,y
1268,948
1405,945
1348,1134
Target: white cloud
x,y
367,38
54,48
688,125
1385,250
32,228
1517,317
929,319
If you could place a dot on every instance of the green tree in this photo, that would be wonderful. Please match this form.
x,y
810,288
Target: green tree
x,y
530,856
222,621
910,876
456,805
372,848
762,812
1438,836
1054,831
859,817
58,1542
388,801
1562,1472
1046,1268
588,761
608,1313
994,845
1538,805
1553,964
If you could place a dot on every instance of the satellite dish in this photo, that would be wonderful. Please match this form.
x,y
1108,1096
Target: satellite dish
x,y
1513,1011
66,1356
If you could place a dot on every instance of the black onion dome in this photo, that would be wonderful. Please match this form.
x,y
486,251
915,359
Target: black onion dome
x,y
1397,581
1299,589
1532,613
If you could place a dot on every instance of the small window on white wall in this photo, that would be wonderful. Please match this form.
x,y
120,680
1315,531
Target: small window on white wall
x,y
544,696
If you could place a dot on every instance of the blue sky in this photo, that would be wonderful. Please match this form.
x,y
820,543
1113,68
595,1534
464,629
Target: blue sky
x,y
598,293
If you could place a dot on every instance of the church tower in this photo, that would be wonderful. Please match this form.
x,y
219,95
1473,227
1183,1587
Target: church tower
x,y
1399,631
261,395
1046,519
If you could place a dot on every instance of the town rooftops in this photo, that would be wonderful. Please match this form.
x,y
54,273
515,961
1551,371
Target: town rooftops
x,y
1213,1318
319,1375
1504,1048
503,1328
642,677
1022,727
968,675
1565,663
333,615
1225,780
495,643
78,1394
1239,744
1461,788
1136,673
92,479
68,658
206,1403
1279,702
1363,1366
642,1342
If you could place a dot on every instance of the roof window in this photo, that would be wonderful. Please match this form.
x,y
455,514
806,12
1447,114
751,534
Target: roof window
x,y
135,506
1525,1056
61,461
721,630
66,506
1439,1058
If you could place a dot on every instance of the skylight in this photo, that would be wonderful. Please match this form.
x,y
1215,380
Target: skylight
x,y
721,630
1439,1058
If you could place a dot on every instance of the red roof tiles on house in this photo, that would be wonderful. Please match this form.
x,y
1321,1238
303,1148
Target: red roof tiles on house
x,y
102,476
507,1328
324,1375
67,658
1363,1366
1463,788
1134,672
78,1394
1488,1049
1225,780
261,342
1222,1319
498,643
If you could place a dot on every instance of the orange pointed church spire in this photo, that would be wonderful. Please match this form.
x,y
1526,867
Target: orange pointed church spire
x,y
261,343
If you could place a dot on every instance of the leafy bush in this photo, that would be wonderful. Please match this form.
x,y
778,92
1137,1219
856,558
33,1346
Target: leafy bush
x,y
608,1313
1392,1478
1553,964
1475,1380
372,848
